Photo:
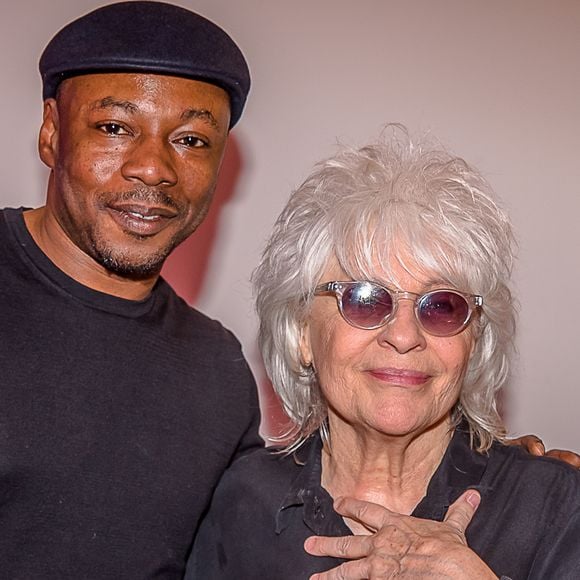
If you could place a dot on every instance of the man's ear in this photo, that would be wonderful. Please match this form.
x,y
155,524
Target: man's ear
x,y
48,135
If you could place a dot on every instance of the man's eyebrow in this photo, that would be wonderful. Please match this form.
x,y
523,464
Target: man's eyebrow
x,y
113,103
202,114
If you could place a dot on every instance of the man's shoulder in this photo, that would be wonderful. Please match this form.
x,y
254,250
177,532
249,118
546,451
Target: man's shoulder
x,y
192,321
10,218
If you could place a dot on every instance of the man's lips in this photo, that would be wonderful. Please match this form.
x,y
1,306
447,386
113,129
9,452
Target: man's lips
x,y
400,377
141,219
144,210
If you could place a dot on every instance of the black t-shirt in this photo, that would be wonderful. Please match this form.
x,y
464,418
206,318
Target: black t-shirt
x,y
266,505
117,419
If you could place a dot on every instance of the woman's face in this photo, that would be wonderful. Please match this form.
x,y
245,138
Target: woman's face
x,y
395,380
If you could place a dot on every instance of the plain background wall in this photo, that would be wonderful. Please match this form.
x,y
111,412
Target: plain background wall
x,y
497,81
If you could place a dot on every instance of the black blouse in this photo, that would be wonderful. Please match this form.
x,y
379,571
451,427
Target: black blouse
x,y
267,504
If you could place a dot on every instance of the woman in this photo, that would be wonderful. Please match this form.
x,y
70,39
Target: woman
x,y
386,323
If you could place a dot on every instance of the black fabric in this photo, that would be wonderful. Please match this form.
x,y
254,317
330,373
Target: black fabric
x,y
117,418
527,525
152,37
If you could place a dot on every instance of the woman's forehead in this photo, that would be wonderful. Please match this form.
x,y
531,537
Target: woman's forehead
x,y
399,269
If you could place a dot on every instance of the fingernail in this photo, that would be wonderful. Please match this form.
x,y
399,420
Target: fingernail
x,y
473,499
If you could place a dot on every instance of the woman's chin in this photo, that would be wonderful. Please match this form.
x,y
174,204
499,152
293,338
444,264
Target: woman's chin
x,y
402,422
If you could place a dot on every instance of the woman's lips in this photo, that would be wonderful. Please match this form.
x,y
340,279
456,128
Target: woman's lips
x,y
400,377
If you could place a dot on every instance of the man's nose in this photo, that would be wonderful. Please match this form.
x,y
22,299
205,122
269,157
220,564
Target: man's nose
x,y
151,161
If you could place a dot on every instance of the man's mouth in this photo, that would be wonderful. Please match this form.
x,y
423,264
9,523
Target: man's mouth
x,y
142,216
140,219
143,210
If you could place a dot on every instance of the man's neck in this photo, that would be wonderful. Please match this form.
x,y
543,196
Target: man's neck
x,y
66,256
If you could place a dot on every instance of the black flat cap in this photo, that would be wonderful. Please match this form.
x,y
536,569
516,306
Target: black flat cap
x,y
148,37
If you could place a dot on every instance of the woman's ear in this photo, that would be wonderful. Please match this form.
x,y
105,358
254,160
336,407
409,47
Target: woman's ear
x,y
305,350
48,135
475,335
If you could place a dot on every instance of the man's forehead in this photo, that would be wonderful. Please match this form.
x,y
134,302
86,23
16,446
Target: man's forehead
x,y
136,93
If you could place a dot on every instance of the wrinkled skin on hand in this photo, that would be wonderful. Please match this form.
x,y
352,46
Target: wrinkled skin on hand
x,y
402,547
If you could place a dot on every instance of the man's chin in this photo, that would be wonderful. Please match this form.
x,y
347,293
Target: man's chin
x,y
135,272
132,267
134,258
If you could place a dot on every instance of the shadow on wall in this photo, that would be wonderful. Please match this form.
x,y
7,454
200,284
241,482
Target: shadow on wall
x,y
186,269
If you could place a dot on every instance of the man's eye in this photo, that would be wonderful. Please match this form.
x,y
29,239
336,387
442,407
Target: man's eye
x,y
113,129
192,141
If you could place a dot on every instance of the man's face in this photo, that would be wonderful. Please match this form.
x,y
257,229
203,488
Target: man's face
x,y
134,161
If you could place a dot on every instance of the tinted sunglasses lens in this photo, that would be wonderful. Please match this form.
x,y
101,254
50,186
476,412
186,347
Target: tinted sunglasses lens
x,y
366,305
443,313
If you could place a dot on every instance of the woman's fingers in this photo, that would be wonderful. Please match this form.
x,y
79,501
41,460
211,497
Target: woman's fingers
x,y
348,547
371,515
461,512
401,546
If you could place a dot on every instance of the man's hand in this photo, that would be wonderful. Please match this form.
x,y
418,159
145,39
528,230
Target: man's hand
x,y
567,456
534,445
402,546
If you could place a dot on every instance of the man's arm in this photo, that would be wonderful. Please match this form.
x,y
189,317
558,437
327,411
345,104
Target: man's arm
x,y
251,438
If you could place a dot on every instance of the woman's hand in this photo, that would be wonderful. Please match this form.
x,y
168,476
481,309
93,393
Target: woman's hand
x,y
402,546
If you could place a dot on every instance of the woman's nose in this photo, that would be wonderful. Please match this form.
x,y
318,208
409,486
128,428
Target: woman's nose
x,y
403,332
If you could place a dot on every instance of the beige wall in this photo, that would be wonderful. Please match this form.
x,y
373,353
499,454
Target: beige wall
x,y
497,81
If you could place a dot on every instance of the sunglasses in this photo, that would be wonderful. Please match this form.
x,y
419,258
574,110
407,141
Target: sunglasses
x,y
369,305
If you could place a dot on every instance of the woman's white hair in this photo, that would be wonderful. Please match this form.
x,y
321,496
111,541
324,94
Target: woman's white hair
x,y
390,200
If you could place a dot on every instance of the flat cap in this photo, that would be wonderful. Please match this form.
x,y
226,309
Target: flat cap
x,y
148,37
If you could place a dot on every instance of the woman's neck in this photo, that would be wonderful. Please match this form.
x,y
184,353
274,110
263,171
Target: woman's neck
x,y
391,471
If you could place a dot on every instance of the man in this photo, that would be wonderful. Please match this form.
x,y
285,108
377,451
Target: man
x,y
121,406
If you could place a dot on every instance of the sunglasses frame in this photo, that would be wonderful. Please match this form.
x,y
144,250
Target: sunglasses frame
x,y
337,287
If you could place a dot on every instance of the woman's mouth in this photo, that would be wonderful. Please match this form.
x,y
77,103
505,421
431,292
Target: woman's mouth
x,y
400,377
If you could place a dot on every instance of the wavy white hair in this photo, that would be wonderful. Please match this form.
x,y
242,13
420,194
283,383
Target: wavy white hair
x,y
393,199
